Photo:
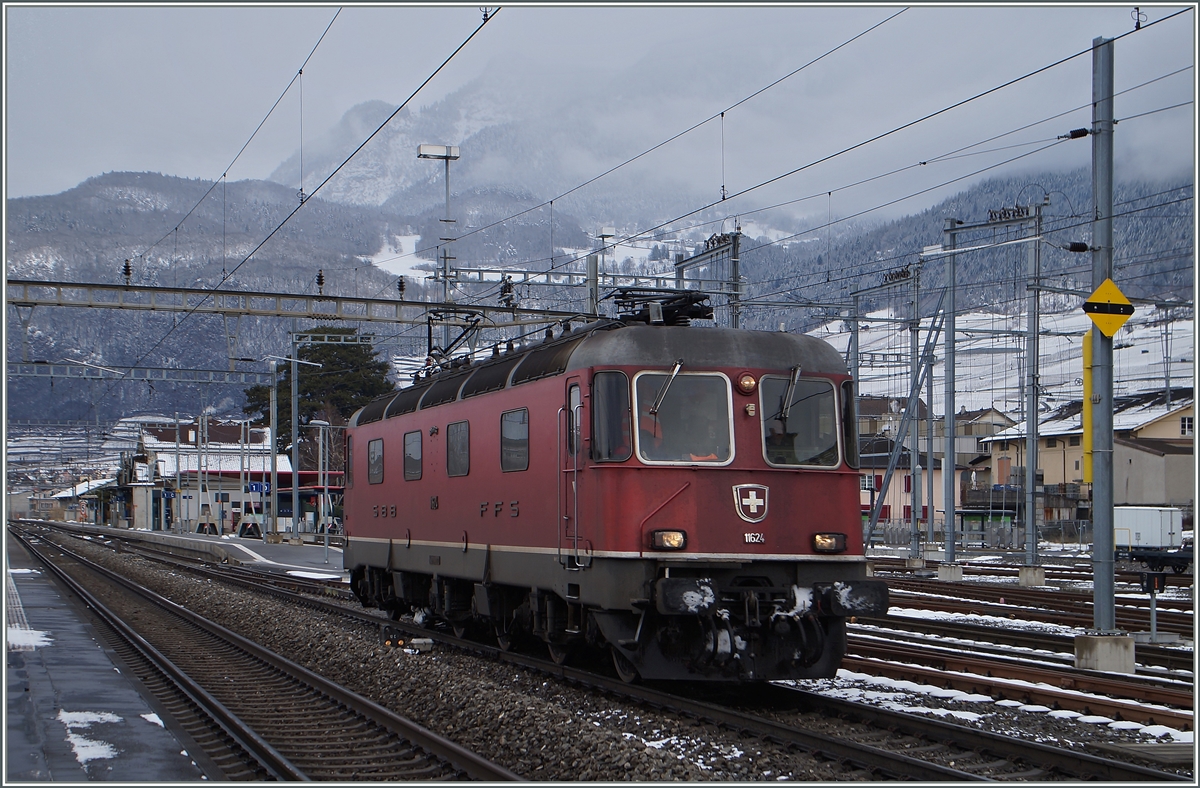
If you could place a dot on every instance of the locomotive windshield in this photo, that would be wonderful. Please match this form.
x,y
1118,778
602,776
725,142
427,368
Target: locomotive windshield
x,y
693,420
804,431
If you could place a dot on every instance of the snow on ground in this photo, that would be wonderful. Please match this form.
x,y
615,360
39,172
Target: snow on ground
x,y
976,618
909,696
87,749
316,575
398,257
26,639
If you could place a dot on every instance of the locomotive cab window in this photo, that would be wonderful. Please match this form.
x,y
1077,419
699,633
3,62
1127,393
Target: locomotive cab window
x,y
611,441
692,423
799,421
375,461
412,456
514,440
458,449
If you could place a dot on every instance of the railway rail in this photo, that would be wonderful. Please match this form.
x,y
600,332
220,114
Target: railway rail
x,y
966,598
1058,572
1010,664
293,723
1060,599
891,744
1148,655
1019,680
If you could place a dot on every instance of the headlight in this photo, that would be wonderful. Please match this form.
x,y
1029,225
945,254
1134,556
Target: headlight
x,y
829,543
668,540
746,383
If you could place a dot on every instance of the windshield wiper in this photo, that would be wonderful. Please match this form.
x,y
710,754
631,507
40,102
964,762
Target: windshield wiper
x,y
662,393
791,392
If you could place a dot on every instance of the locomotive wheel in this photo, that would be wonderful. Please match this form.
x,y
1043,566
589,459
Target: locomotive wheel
x,y
559,652
460,629
503,639
626,670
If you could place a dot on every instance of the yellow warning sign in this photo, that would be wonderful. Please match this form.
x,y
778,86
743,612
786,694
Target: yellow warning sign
x,y
1108,308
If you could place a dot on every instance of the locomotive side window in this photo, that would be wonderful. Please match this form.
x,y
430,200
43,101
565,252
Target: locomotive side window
x,y
803,431
458,449
514,440
349,463
412,456
611,441
849,426
375,461
692,423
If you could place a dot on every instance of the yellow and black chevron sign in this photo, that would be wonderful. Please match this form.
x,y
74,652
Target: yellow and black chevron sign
x,y
1108,307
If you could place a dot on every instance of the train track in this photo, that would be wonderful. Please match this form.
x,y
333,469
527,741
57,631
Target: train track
x,y
287,722
981,600
1018,679
1148,655
880,743
1059,599
1079,573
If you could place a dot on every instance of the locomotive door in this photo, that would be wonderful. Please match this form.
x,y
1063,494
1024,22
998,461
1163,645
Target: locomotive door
x,y
573,549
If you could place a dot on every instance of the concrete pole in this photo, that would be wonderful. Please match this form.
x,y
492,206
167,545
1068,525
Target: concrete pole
x,y
948,464
274,496
446,296
295,442
1031,398
178,490
853,360
735,298
929,452
914,454
1104,610
322,498
593,284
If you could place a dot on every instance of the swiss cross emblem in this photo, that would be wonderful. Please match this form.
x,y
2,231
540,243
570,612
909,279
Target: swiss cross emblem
x,y
750,501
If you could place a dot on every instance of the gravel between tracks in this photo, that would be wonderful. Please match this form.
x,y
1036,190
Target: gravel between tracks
x,y
536,727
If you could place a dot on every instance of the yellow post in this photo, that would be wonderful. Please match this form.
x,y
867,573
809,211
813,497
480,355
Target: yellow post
x,y
1087,407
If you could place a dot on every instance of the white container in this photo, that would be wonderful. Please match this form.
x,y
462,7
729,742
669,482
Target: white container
x,y
1147,526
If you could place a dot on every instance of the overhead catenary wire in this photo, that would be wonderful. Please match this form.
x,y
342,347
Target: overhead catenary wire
x,y
245,145
552,250
908,255
957,153
673,137
645,232
487,17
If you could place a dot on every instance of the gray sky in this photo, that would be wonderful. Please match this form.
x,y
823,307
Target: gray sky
x,y
179,90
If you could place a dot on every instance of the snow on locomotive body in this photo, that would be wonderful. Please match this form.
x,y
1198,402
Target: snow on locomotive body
x,y
685,497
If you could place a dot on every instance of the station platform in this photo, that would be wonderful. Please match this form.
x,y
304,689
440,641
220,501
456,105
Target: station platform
x,y
309,559
73,715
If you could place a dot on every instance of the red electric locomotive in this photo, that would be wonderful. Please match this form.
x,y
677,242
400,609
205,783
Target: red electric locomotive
x,y
685,497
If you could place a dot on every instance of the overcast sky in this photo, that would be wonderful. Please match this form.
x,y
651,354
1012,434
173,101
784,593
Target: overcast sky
x,y
180,90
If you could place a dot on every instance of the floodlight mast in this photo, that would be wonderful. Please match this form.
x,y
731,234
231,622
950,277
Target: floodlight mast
x,y
446,153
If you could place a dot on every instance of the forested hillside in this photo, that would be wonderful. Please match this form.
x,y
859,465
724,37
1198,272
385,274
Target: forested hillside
x,y
85,234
